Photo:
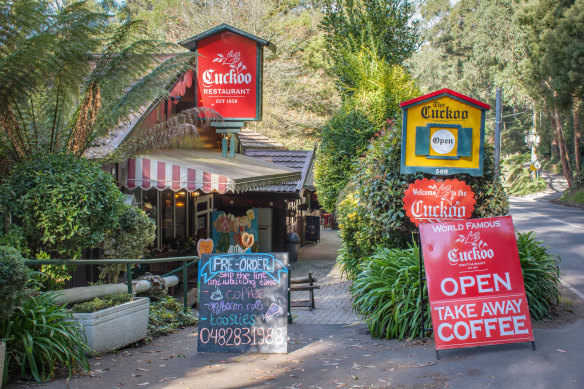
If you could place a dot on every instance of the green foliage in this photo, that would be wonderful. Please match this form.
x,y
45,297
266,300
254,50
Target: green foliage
x,y
166,316
344,138
518,179
52,98
573,197
386,293
382,27
42,337
541,275
99,303
63,204
386,290
128,240
13,280
371,213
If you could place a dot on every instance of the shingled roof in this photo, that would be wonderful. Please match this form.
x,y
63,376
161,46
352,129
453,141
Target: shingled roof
x,y
295,159
249,139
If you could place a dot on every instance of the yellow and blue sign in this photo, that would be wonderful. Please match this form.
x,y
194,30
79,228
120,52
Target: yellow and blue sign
x,y
443,134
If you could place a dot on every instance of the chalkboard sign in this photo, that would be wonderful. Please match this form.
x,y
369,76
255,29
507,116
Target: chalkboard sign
x,y
243,304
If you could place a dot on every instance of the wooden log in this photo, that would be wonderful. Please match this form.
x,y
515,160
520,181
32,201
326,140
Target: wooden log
x,y
86,293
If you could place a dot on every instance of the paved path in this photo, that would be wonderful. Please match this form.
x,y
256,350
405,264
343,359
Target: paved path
x,y
332,300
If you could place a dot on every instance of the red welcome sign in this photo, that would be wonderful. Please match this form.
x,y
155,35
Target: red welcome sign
x,y
227,75
429,201
475,285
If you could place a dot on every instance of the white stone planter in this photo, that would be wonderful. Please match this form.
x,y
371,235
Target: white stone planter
x,y
112,328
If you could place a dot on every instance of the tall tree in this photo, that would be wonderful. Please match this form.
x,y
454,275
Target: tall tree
x,y
68,75
554,66
384,28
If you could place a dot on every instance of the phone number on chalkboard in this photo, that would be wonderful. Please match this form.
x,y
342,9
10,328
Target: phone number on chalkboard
x,y
242,336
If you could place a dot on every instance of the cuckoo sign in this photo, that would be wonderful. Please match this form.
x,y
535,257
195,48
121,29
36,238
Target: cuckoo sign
x,y
429,201
443,134
475,285
229,73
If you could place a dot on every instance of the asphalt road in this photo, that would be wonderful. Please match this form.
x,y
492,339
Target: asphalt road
x,y
561,228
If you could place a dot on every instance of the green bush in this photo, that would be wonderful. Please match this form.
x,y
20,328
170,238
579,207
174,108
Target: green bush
x,y
167,315
13,280
371,212
541,275
63,204
99,303
41,337
343,139
386,293
128,240
386,289
518,178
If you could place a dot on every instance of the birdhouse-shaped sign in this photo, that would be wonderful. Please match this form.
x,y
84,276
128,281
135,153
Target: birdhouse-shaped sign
x,y
443,134
229,72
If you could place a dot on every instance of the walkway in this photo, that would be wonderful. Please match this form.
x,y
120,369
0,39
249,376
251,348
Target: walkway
x,y
332,300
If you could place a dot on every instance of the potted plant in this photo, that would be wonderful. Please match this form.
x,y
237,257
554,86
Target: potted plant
x,y
113,322
13,279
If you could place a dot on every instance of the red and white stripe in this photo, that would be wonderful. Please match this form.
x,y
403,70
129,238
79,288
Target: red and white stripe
x,y
148,173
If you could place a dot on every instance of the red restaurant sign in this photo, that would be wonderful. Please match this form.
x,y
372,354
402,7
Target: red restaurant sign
x,y
229,74
475,285
428,201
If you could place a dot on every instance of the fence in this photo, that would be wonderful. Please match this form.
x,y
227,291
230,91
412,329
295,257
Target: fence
x,y
128,262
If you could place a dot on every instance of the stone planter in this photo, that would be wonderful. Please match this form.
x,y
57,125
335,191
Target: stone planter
x,y
112,328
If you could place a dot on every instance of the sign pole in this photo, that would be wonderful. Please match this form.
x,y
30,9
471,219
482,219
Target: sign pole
x,y
498,120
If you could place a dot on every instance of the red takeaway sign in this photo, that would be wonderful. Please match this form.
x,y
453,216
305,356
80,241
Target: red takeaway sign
x,y
429,201
475,285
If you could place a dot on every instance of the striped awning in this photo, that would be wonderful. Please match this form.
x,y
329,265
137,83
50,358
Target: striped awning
x,y
206,171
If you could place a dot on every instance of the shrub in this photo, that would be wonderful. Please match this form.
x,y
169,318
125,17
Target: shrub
x,y
386,290
62,203
166,315
99,303
42,337
518,179
13,280
386,293
343,139
133,233
541,275
375,196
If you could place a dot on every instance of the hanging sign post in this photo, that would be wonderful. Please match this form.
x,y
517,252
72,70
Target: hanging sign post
x,y
475,284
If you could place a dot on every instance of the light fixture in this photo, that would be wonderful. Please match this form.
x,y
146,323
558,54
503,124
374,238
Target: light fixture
x,y
271,203
231,202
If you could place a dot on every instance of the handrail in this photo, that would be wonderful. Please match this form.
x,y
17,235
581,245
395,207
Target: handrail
x,y
128,262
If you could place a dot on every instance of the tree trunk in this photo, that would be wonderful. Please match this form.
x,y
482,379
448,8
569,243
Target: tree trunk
x,y
564,159
554,149
577,132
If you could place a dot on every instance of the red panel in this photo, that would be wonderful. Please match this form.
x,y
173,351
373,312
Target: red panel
x,y
448,92
192,178
131,182
475,285
207,187
429,201
222,184
161,184
145,173
175,177
227,75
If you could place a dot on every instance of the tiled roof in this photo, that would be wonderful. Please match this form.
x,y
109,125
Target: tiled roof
x,y
296,159
250,139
